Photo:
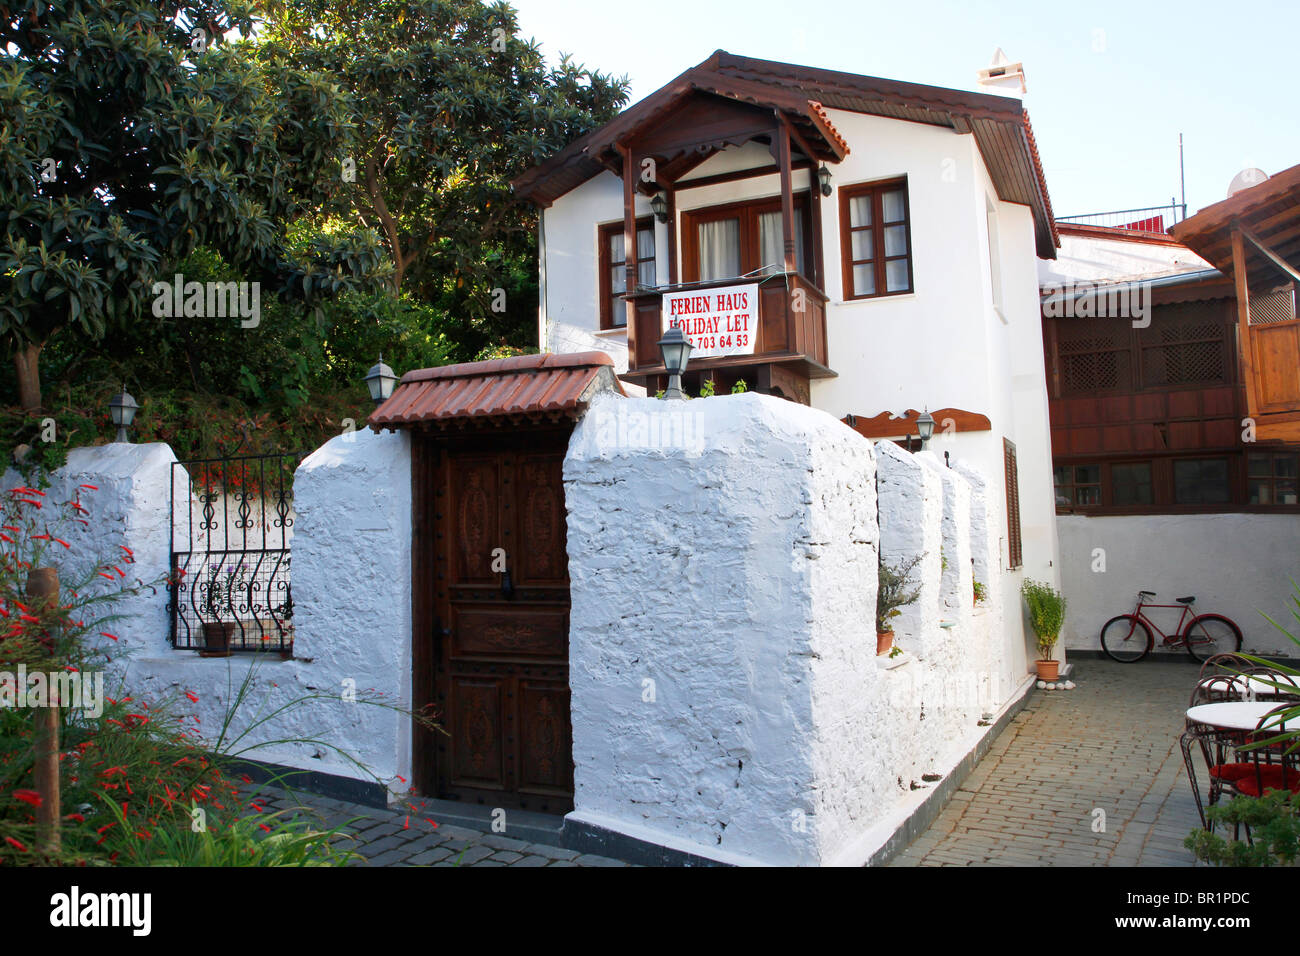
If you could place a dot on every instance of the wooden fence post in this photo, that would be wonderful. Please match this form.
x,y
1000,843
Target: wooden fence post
x,y
43,592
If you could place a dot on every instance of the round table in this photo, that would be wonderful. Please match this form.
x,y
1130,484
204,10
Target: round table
x,y
1236,714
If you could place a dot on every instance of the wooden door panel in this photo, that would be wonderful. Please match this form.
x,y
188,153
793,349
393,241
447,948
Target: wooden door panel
x,y
475,753
545,735
476,491
510,631
541,522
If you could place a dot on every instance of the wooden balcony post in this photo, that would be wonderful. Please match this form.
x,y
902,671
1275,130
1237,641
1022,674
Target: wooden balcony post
x,y
1243,322
629,247
787,193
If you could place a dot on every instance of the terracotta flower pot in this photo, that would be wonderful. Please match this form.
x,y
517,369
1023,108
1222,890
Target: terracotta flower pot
x,y
884,641
216,638
1048,670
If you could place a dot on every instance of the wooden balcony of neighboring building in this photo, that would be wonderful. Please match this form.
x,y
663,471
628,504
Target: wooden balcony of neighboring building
x,y
789,347
1254,237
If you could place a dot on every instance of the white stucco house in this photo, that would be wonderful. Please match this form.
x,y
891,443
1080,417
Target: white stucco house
x,y
889,234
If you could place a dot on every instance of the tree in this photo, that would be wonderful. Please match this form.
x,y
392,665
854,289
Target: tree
x,y
450,105
131,133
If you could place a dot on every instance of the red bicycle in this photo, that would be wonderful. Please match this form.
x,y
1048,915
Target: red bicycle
x,y
1127,637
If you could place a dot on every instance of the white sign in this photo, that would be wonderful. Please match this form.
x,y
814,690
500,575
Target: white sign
x,y
720,321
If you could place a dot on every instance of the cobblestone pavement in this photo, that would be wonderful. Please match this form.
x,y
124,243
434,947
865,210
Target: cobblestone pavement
x,y
394,837
1111,744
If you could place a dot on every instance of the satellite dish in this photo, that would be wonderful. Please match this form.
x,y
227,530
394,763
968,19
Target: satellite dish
x,y
1245,179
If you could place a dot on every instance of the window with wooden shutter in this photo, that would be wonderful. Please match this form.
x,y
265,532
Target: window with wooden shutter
x,y
1014,556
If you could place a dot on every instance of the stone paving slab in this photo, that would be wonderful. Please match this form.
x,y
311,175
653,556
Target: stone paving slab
x,y
404,836
1109,745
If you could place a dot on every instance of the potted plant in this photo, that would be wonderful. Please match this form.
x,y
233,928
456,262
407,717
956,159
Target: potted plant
x,y
1046,615
981,592
216,632
894,591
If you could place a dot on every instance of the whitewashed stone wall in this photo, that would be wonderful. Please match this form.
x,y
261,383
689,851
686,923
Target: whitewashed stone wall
x,y
1241,565
911,526
351,589
727,699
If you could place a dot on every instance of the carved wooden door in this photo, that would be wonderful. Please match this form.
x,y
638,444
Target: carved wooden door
x,y
501,624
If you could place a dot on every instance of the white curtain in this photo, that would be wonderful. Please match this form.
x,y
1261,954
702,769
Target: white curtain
x,y
719,244
771,241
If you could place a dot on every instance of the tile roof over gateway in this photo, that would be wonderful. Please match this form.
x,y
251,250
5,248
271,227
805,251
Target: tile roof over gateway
x,y
999,124
542,387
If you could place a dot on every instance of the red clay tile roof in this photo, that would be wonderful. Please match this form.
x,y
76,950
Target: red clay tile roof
x,y
524,387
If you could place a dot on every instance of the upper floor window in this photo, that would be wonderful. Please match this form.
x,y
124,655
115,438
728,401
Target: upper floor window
x,y
613,265
742,239
876,241
1201,481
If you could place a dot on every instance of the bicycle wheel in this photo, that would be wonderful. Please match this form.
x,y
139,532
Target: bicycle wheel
x,y
1126,639
1211,634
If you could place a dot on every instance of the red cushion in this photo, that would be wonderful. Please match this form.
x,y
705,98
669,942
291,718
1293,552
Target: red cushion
x,y
1232,771
1272,777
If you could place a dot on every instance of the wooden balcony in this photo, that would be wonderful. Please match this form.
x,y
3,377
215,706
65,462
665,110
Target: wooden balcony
x,y
791,339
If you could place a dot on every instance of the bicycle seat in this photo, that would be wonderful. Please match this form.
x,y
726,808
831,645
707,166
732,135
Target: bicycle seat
x,y
1147,593
1186,600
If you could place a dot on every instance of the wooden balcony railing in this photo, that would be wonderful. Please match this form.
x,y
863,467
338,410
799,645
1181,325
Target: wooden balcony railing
x,y
791,328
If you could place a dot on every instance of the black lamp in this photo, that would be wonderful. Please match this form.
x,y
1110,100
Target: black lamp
x,y
122,409
824,177
380,380
676,350
659,206
925,428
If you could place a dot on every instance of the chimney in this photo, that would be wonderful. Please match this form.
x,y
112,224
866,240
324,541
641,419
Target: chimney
x,y
1002,76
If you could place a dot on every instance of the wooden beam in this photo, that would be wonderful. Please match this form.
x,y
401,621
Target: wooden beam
x,y
672,236
629,245
1268,253
1243,321
787,193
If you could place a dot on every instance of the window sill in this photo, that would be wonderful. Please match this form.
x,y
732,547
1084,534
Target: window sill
x,y
873,298
611,333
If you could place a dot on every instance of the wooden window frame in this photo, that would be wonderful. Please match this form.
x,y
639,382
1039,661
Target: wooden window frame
x,y
1015,541
1162,484
603,233
1073,484
1271,480
876,189
747,211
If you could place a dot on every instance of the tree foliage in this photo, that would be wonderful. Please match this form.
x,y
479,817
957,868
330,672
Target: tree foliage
x,y
131,133
449,104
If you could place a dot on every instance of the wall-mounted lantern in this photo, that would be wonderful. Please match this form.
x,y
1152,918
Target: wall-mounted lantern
x,y
925,428
659,206
676,350
380,380
824,177
122,409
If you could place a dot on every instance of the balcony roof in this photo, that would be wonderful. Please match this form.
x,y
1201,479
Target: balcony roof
x,y
1269,210
802,94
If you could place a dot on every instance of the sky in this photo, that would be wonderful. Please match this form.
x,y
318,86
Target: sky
x,y
1110,84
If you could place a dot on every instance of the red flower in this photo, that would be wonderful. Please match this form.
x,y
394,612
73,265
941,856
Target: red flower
x,y
14,843
194,699
28,796
91,487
